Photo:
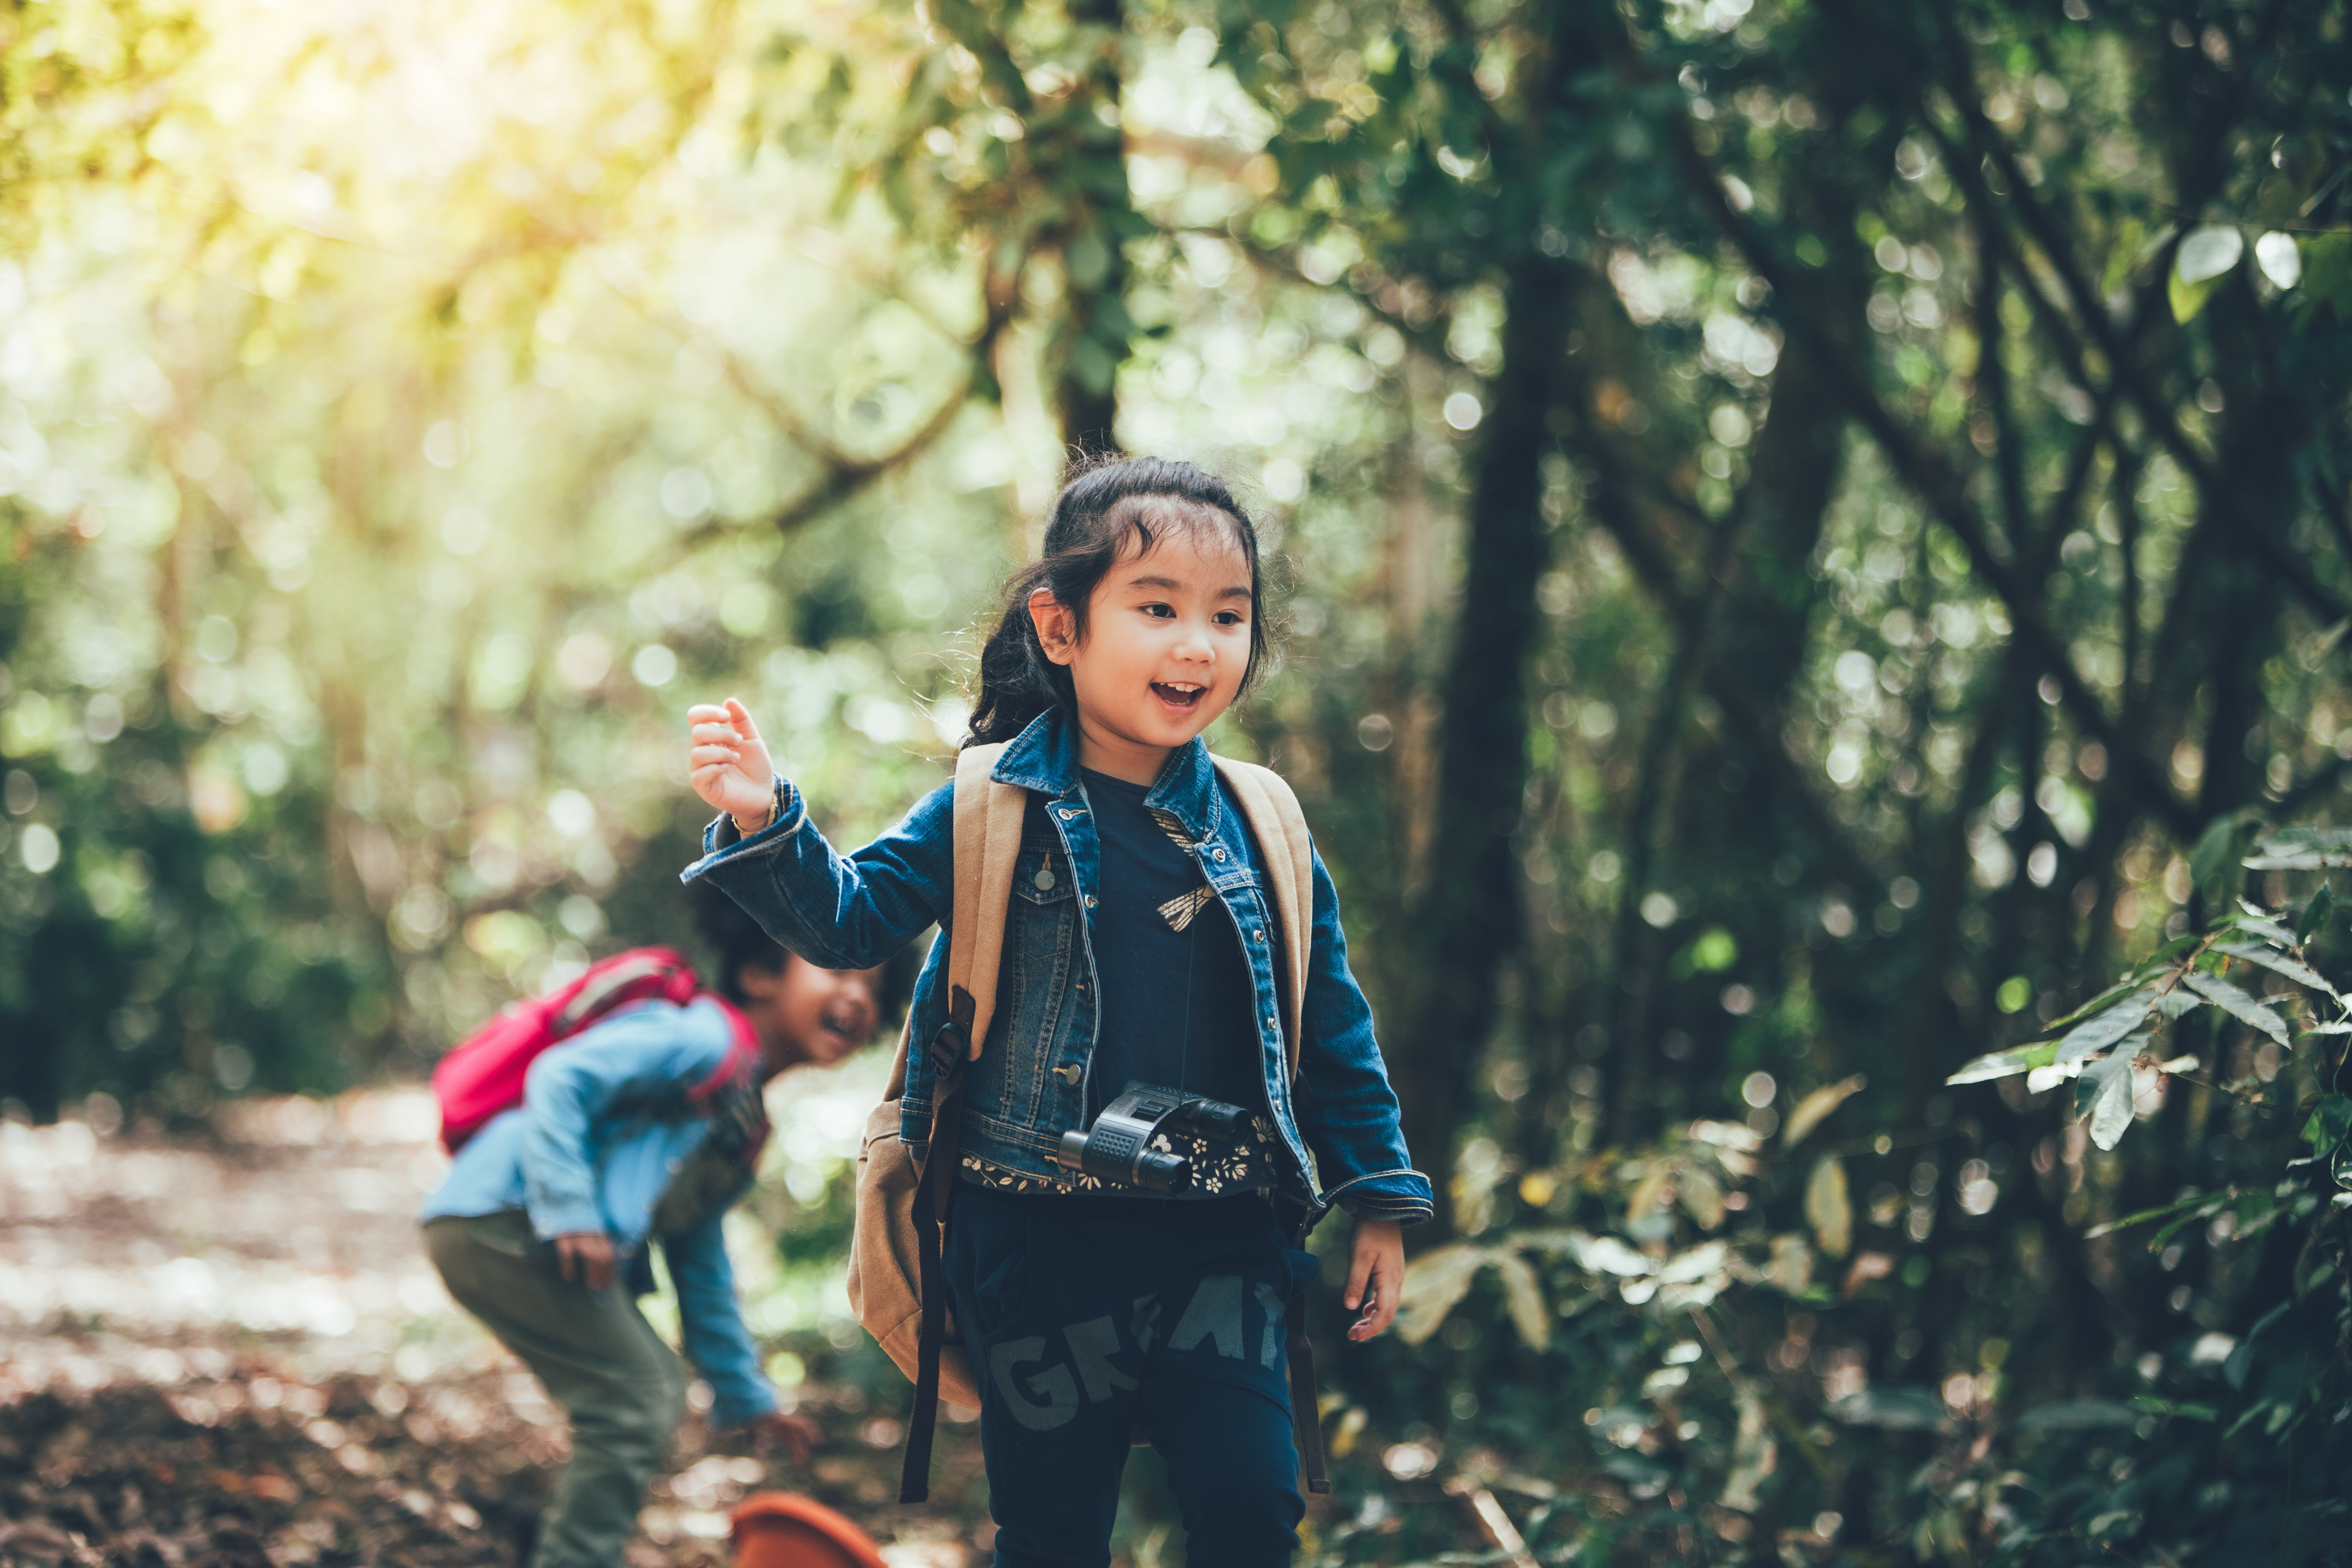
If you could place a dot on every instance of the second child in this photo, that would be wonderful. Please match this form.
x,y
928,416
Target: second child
x,y
1139,948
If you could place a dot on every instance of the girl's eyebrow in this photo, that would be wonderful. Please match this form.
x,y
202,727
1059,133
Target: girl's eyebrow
x,y
1171,583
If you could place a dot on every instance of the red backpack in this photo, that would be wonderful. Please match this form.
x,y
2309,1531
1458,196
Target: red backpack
x,y
483,1074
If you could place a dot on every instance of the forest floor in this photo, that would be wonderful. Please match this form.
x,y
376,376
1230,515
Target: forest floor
x,y
230,1349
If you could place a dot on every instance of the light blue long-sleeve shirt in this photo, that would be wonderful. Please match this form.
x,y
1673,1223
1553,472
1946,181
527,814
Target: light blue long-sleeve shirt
x,y
603,1127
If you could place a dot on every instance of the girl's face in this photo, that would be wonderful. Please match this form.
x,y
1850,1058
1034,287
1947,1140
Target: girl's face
x,y
803,1014
1166,643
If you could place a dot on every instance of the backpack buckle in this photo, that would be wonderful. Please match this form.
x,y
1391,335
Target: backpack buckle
x,y
950,1046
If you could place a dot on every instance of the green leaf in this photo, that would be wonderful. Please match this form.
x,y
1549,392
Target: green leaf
x,y
2262,922
2125,253
2178,1003
2119,989
2186,299
1829,1208
2208,253
2161,1210
2281,262
2277,963
2106,1028
2241,1360
2217,843
1433,1283
2078,1415
1811,1110
1523,1298
2204,1210
1701,1196
2315,914
1649,1193
2005,1064
2162,958
1752,1454
2302,848
1087,260
2103,1097
2239,1005
2154,1406
2298,861
1893,1409
2330,1120
2327,275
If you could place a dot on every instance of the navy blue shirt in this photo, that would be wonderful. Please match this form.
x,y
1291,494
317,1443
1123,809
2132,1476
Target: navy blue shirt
x,y
1176,1004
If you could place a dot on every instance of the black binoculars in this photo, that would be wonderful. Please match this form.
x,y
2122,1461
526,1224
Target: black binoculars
x,y
1118,1149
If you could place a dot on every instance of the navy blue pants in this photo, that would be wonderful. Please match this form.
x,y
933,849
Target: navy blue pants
x,y
1089,1318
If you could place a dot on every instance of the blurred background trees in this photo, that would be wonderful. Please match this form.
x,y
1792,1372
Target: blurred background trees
x,y
1800,520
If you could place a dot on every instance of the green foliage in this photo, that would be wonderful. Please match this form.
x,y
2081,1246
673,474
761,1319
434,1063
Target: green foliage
x,y
2119,1036
359,562
1931,577
1683,1320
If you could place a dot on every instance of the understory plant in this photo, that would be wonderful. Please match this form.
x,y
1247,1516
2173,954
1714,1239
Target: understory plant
x,y
1709,1350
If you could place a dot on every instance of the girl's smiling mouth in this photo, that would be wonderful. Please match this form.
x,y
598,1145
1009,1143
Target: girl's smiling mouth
x,y
1179,694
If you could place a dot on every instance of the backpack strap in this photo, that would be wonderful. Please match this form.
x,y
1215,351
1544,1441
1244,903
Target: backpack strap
x,y
1288,849
742,1048
987,847
988,817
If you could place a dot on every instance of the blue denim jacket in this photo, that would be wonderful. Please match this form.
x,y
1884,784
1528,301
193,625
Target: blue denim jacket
x,y
1337,1122
602,1129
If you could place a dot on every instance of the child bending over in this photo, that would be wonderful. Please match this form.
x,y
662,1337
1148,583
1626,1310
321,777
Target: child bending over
x,y
541,1228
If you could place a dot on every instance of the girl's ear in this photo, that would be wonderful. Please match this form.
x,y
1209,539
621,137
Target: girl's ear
x,y
1052,620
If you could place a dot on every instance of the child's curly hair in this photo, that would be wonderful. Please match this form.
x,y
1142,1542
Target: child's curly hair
x,y
738,943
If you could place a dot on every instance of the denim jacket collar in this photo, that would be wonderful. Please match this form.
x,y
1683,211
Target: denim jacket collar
x,y
1044,757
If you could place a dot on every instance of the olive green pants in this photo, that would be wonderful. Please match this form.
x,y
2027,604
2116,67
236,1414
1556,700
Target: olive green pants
x,y
624,1389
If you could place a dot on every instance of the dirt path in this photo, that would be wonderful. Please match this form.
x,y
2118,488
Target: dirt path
x,y
232,1350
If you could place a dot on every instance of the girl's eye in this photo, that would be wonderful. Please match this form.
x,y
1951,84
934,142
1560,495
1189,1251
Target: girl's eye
x,y
1229,618
1163,612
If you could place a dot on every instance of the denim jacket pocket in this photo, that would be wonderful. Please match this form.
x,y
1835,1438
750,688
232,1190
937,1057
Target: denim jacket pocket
x,y
1041,949
1043,880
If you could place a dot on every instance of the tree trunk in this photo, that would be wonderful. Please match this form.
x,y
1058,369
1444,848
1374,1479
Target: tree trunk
x,y
1092,338
1467,919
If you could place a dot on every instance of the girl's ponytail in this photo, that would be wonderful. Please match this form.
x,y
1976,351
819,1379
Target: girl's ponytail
x,y
1017,681
1102,503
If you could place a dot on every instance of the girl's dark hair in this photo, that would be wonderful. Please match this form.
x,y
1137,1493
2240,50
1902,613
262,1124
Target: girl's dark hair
x,y
1104,501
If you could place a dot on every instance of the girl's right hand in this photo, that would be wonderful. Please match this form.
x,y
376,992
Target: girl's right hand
x,y
730,764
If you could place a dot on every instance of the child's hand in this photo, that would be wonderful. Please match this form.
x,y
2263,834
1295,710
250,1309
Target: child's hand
x,y
729,765
586,1257
797,1432
1375,1275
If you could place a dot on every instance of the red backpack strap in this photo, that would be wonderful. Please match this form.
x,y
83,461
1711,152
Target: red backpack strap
x,y
640,975
742,1048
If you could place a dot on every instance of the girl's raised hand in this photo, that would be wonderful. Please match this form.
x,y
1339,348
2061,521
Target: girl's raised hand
x,y
730,764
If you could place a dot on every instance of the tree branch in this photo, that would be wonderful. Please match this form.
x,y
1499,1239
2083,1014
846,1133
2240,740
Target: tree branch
x,y
1929,476
1616,509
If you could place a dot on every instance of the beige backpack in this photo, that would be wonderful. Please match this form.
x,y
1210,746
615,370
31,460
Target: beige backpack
x,y
894,1285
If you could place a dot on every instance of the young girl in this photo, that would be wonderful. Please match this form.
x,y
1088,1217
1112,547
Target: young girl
x,y
1139,949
